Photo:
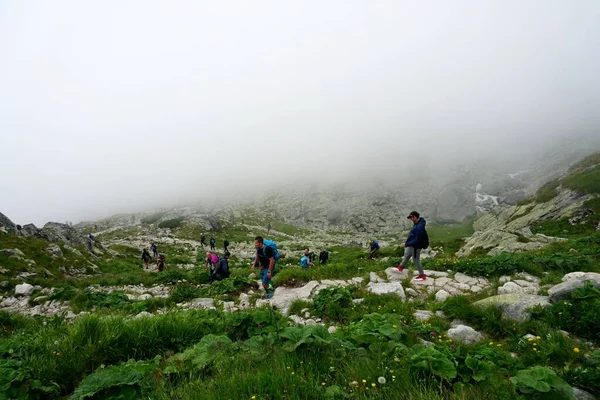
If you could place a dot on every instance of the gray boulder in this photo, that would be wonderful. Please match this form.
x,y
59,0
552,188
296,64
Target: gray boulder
x,y
7,224
24,289
515,306
441,296
14,253
422,315
563,290
54,250
62,233
387,288
464,334
579,394
30,230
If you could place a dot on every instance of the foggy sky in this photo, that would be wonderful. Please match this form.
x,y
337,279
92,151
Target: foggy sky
x,y
110,106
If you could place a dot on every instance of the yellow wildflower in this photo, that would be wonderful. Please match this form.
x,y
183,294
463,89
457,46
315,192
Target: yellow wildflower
x,y
576,349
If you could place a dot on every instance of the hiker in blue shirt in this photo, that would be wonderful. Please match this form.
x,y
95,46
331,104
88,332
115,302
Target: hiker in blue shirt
x,y
373,249
305,262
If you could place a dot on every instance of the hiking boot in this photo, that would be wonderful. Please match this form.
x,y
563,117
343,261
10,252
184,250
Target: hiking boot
x,y
400,268
420,278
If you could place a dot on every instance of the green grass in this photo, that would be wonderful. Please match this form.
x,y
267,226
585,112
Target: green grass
x,y
563,228
449,237
171,223
255,353
587,181
547,192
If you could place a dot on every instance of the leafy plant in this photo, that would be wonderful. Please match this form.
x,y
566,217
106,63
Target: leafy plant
x,y
433,362
334,303
539,379
198,357
122,381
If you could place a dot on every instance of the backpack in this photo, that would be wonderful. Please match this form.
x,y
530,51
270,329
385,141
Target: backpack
x,y
375,244
273,245
212,240
224,266
425,243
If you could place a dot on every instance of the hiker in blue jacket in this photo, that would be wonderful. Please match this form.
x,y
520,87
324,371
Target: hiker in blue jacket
x,y
373,249
416,241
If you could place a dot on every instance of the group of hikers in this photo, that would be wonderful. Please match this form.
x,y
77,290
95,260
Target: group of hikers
x,y
212,242
308,259
267,255
160,257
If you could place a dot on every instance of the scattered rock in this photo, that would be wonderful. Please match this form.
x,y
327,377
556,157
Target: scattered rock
x,y
143,314
570,283
14,253
387,288
374,278
464,334
70,315
422,315
394,275
24,289
201,304
426,343
332,329
515,306
54,250
228,306
441,296
519,287
579,394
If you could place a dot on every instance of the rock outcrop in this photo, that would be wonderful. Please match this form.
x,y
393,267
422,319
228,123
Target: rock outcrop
x,y
515,306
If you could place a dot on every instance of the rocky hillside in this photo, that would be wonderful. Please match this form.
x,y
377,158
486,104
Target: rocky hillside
x,y
568,204
512,315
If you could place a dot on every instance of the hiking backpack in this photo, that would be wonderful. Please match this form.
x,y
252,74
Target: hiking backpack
x,y
425,240
272,245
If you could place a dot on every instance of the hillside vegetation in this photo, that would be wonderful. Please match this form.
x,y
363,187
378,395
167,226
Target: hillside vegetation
x,y
351,329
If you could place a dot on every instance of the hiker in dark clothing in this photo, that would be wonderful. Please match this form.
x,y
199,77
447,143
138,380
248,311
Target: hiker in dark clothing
x,y
203,239
373,249
323,257
145,257
160,264
221,270
212,243
310,255
265,257
416,241
154,250
225,244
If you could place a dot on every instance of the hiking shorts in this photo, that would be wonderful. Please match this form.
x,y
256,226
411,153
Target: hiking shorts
x,y
264,278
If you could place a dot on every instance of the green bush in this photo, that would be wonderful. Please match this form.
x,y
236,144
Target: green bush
x,y
579,315
171,223
334,303
547,192
183,293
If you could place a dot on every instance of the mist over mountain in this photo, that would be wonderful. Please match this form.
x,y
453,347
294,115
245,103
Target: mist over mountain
x,y
108,110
